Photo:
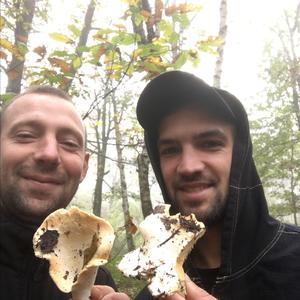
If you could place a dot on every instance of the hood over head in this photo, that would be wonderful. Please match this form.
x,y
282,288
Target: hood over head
x,y
246,221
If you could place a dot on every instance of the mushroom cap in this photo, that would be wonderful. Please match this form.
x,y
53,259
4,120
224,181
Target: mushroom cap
x,y
75,243
167,242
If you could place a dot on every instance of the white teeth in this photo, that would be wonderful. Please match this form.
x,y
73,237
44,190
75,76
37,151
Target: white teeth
x,y
195,189
167,242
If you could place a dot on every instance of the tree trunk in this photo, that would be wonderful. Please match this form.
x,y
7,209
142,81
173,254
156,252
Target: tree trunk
x,y
82,39
293,201
101,156
23,26
149,25
142,159
124,194
293,60
222,35
143,172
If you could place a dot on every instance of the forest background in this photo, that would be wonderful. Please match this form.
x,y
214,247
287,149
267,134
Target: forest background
x,y
104,52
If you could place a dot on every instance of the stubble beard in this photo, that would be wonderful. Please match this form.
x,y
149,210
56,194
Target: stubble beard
x,y
212,216
16,204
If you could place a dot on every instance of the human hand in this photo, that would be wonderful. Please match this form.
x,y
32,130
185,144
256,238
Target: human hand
x,y
194,292
104,292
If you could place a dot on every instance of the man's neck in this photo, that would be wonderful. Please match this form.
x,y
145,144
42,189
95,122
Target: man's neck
x,y
207,251
16,219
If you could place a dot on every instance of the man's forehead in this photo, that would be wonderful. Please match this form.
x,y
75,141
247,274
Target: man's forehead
x,y
30,104
41,101
195,111
193,121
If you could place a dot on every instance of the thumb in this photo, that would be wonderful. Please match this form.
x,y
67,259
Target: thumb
x,y
195,292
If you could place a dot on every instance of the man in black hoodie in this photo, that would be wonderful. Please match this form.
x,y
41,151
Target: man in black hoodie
x,y
43,159
200,148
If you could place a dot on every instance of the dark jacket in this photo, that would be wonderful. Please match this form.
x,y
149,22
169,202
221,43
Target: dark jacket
x,y
24,276
260,256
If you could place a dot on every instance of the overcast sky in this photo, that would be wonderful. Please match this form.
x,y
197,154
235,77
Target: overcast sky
x,y
249,28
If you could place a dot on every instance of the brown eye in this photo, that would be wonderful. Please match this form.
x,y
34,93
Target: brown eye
x,y
212,144
167,151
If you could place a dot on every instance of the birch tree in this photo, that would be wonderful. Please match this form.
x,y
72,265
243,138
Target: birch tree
x,y
220,49
117,117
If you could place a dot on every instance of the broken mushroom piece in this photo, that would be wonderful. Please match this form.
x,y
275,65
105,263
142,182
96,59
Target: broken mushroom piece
x,y
167,242
76,244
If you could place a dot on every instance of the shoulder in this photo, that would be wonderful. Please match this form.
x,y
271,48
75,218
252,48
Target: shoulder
x,y
289,241
292,230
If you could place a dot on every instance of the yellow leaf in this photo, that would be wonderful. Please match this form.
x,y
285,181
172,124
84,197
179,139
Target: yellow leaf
x,y
11,48
131,2
61,37
155,60
114,67
136,53
188,7
76,63
2,22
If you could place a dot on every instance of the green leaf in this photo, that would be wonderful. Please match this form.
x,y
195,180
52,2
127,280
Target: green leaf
x,y
60,37
153,67
76,63
60,53
182,19
154,50
6,97
165,27
22,48
138,19
82,49
104,31
123,39
181,60
74,30
174,37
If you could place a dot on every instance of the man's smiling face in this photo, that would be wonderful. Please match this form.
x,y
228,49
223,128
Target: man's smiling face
x,y
195,151
43,157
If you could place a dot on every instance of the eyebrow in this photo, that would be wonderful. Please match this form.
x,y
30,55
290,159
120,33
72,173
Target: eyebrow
x,y
211,133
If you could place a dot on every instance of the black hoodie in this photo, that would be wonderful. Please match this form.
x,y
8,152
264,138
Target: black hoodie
x,y
260,256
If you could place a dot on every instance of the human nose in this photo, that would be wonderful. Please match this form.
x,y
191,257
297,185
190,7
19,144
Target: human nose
x,y
191,162
48,151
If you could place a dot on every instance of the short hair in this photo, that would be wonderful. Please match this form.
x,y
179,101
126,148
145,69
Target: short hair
x,y
42,90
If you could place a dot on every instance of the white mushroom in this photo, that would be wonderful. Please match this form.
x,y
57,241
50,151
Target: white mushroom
x,y
167,242
76,244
